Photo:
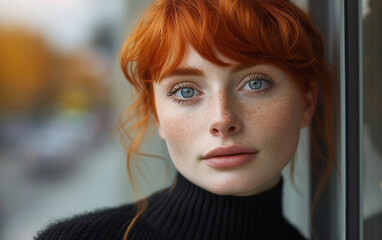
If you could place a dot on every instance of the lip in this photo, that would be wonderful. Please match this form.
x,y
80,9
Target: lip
x,y
229,157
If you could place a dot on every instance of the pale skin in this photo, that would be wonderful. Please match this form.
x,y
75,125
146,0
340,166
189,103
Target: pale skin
x,y
256,106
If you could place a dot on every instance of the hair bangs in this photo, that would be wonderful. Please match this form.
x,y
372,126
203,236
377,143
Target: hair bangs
x,y
189,24
274,32
242,31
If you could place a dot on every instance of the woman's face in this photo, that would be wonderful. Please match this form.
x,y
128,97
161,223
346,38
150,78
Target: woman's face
x,y
230,130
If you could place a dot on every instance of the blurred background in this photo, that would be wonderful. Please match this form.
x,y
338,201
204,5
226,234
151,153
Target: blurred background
x,y
61,92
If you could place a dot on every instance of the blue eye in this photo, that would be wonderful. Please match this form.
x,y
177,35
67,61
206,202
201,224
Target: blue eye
x,y
186,92
255,84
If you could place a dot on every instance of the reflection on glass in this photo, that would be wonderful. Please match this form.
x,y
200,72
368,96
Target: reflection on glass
x,y
372,119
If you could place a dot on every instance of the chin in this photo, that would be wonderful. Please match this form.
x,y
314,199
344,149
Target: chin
x,y
231,190
232,184
239,184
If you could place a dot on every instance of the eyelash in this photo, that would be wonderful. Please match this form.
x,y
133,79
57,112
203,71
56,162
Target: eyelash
x,y
258,76
248,78
178,87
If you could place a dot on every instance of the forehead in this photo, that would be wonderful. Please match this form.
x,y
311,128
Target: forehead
x,y
193,64
192,57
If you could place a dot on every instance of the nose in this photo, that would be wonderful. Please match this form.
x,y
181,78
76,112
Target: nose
x,y
224,119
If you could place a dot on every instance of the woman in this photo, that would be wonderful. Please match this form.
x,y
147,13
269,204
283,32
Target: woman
x,y
228,84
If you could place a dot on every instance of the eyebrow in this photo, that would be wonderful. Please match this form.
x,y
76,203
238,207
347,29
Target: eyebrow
x,y
186,71
192,71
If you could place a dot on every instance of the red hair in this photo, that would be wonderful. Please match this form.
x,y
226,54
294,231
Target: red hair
x,y
246,31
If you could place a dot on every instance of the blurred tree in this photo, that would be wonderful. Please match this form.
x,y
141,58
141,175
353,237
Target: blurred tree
x,y
24,70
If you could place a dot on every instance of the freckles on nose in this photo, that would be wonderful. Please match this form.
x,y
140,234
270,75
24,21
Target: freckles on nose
x,y
223,116
225,106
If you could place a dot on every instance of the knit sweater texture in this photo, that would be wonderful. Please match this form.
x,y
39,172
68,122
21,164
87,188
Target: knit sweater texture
x,y
184,212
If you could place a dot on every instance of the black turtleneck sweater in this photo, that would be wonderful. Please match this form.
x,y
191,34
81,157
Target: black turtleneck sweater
x,y
185,212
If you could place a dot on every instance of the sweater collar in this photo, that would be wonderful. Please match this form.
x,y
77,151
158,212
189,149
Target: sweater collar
x,y
187,211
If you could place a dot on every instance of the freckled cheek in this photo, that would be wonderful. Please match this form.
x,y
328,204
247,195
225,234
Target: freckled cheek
x,y
177,129
182,131
275,126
